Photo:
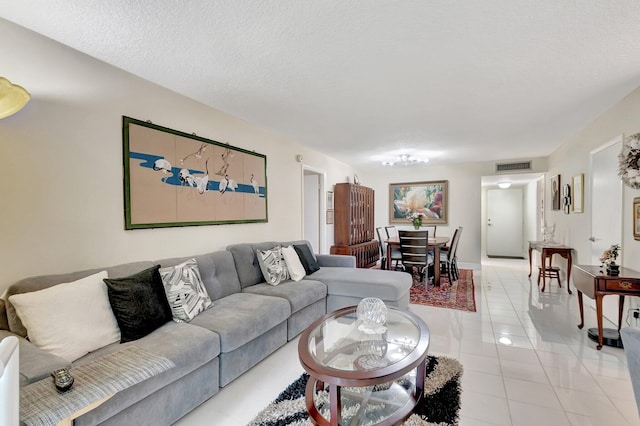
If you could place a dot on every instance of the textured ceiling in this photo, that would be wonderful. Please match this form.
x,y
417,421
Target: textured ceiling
x,y
364,80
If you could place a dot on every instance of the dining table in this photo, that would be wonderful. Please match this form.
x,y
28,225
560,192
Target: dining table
x,y
435,244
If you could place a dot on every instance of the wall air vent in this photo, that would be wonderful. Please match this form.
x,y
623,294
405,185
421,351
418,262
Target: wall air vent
x,y
511,167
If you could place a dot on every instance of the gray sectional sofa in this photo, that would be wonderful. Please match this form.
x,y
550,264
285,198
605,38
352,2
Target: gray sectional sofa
x,y
248,321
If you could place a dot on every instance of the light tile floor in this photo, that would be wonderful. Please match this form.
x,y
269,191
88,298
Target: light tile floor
x,y
550,374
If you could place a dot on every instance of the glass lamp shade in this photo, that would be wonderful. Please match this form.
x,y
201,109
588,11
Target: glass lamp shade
x,y
12,98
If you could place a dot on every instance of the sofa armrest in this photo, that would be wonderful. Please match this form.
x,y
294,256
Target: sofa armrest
x,y
35,363
336,260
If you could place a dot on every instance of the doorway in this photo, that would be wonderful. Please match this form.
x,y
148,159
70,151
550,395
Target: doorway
x,y
504,223
606,210
313,229
528,212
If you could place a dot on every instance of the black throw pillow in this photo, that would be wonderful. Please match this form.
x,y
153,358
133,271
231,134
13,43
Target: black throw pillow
x,y
139,303
309,263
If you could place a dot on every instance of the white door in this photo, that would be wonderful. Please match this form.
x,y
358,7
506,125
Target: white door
x,y
606,199
606,212
504,222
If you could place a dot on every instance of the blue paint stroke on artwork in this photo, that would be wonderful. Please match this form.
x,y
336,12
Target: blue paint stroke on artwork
x,y
172,177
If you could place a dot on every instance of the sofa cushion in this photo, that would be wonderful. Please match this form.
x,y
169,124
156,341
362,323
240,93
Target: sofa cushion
x,y
246,261
185,292
139,303
299,294
358,282
307,259
241,317
272,264
69,320
217,270
45,281
189,347
294,266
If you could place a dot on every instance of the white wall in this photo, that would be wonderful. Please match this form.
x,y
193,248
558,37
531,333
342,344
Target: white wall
x,y
61,180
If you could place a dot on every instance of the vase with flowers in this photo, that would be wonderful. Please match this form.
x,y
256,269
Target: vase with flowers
x,y
416,219
608,259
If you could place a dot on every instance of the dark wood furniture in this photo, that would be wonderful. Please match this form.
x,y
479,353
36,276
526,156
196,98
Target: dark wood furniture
x,y
593,281
353,227
546,252
434,244
337,352
414,249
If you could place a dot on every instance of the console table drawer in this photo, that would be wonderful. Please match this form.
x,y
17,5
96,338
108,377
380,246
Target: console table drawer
x,y
621,285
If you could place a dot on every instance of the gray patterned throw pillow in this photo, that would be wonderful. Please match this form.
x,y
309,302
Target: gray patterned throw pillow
x,y
272,265
185,291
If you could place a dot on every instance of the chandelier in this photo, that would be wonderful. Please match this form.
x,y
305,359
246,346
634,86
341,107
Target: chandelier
x,y
405,160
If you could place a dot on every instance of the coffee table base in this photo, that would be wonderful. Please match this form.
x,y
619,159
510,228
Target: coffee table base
x,y
360,398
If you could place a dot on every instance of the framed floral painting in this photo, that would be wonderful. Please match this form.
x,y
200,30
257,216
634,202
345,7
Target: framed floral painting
x,y
430,198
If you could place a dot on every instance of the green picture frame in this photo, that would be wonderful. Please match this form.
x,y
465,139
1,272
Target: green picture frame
x,y
172,178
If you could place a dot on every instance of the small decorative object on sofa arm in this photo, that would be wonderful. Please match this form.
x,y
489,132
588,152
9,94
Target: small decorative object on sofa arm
x,y
372,314
62,379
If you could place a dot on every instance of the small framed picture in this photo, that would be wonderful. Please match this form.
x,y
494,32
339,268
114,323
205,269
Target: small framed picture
x,y
636,218
329,200
578,193
556,198
329,217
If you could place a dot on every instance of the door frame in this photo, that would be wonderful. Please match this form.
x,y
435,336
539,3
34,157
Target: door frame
x,y
322,176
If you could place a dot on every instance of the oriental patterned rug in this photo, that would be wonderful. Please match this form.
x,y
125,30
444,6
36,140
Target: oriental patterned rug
x,y
440,405
459,295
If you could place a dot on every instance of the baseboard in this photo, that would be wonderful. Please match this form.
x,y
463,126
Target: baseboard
x,y
505,257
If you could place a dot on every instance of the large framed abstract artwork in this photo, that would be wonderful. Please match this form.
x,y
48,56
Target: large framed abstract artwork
x,y
429,198
172,178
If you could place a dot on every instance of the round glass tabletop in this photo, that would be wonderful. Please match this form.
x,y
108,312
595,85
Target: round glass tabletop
x,y
340,343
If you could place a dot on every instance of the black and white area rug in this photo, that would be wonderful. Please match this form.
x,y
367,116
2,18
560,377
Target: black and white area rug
x,y
440,405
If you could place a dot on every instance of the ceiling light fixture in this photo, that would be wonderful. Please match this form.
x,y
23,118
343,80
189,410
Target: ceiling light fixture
x,y
405,160
504,185
12,98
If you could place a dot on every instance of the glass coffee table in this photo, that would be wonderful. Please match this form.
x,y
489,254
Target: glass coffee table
x,y
360,377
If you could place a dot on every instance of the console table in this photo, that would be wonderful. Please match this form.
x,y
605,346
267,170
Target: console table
x,y
547,250
593,281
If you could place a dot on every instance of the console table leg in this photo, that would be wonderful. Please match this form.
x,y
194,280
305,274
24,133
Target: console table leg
x,y
569,262
599,315
620,309
581,308
530,249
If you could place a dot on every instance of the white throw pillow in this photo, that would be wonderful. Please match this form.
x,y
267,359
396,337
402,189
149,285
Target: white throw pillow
x,y
296,270
186,294
70,319
273,267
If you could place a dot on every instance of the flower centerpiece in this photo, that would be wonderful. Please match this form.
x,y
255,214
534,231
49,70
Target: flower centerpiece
x,y
416,219
609,257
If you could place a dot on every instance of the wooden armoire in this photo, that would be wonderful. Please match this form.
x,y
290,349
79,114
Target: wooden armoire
x,y
354,228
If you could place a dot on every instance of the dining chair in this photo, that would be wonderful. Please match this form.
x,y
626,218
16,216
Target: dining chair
x,y
383,248
448,258
414,248
394,255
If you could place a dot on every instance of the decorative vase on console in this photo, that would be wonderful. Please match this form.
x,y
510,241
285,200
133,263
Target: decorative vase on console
x,y
609,257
